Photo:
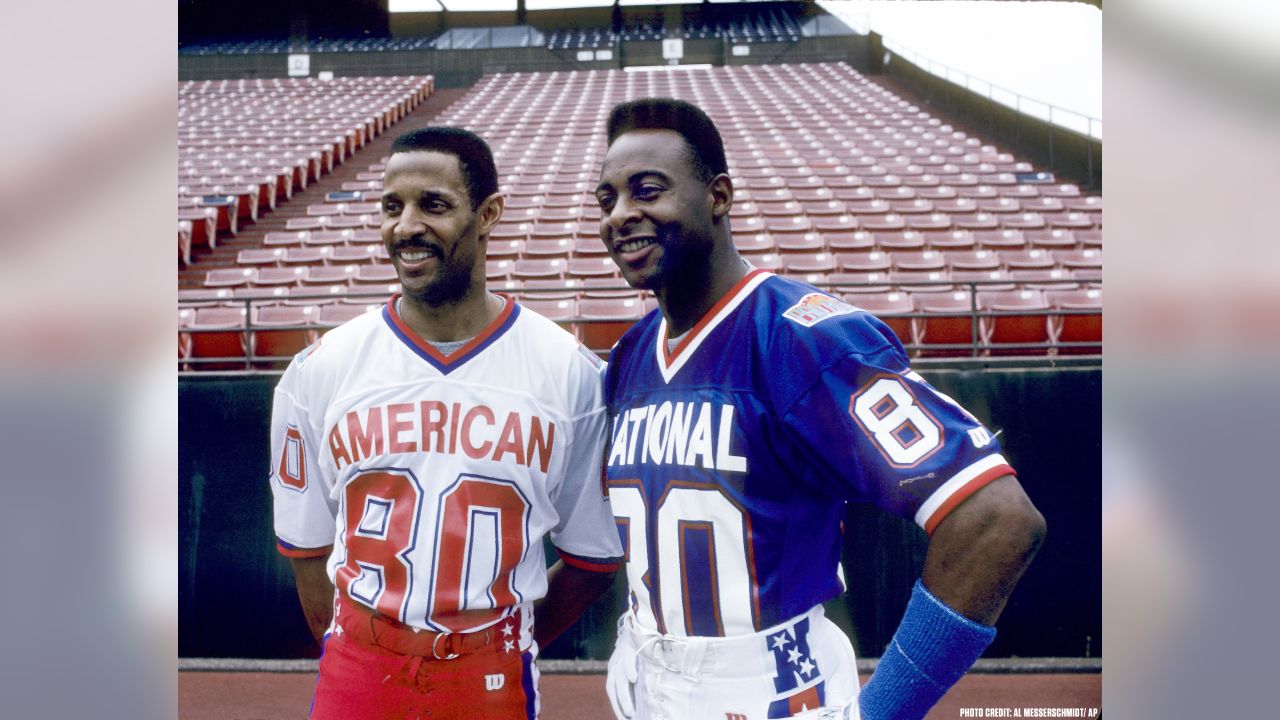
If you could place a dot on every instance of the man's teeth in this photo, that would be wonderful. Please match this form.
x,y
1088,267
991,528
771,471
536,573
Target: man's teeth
x,y
634,245
414,255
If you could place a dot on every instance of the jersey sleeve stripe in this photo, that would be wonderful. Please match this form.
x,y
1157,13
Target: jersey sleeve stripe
x,y
590,564
293,551
961,485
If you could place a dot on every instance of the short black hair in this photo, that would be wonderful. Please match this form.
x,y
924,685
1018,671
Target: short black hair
x,y
473,153
706,148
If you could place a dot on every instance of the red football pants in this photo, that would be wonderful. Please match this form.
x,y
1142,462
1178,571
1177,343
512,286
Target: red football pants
x,y
365,682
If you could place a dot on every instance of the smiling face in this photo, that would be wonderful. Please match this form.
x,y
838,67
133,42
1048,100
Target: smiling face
x,y
429,228
656,215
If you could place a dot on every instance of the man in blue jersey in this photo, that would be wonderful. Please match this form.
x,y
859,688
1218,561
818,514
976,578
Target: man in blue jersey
x,y
744,413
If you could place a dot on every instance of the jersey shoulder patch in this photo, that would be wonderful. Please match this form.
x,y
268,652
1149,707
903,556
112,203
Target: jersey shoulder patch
x,y
816,307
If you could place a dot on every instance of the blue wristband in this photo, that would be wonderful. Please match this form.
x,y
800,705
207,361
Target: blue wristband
x,y
932,649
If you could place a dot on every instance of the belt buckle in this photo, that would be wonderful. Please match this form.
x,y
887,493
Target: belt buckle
x,y
435,652
665,648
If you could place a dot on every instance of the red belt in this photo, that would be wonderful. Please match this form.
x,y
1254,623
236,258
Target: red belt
x,y
364,625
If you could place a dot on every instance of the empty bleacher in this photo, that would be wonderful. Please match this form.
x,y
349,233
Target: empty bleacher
x,y
245,145
962,248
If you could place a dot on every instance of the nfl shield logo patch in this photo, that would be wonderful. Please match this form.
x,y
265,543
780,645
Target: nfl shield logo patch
x,y
816,307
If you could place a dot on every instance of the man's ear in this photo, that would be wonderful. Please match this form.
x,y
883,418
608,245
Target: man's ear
x,y
489,213
721,190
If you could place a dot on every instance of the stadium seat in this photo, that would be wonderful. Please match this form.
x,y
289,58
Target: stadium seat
x,y
606,319
280,276
947,324
1080,321
563,311
850,241
548,247
1000,239
260,256
972,260
948,240
893,309
1051,279
907,240
760,242
230,277
533,268
792,242
338,313
303,255
923,260
1089,258
1050,239
863,262
1035,259
375,274
551,288
280,332
1020,317
858,282
217,333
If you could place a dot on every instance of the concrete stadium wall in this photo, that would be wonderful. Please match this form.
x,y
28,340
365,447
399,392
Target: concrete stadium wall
x,y
236,595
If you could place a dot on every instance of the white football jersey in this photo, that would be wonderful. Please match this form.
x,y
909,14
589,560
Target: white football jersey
x,y
430,480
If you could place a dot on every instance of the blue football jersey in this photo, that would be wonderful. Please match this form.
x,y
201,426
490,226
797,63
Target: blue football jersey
x,y
731,456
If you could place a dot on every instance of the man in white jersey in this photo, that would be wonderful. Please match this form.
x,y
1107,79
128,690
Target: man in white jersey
x,y
746,411
421,453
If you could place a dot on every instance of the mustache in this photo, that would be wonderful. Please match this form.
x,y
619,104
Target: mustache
x,y
417,243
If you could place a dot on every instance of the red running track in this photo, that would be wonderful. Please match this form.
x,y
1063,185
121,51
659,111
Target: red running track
x,y
287,696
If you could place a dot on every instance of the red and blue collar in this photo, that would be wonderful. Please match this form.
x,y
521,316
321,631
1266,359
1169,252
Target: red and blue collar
x,y
448,363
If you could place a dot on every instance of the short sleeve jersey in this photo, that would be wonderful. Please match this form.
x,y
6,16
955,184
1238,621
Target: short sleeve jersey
x,y
732,455
428,480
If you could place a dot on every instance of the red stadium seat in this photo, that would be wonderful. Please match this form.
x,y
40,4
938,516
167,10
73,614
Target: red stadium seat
x,y
230,277
908,240
260,256
947,323
217,333
893,309
338,313
1051,239
1020,318
973,260
280,332
1081,321
760,242
858,282
551,288
1000,239
948,239
532,268
287,276
926,260
606,319
1089,258
863,262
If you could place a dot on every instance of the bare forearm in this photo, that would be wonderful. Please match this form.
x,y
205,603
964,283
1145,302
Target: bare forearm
x,y
570,591
977,554
315,592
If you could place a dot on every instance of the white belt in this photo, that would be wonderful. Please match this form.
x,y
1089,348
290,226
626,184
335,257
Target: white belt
x,y
736,656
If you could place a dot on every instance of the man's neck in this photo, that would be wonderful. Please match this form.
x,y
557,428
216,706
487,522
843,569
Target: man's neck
x,y
449,322
686,301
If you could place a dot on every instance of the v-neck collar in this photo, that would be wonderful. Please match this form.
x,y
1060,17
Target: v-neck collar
x,y
670,361
448,363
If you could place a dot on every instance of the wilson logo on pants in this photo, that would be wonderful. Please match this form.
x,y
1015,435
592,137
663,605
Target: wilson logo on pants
x,y
494,682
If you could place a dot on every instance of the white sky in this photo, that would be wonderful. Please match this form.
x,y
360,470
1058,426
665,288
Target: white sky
x,y
1050,52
